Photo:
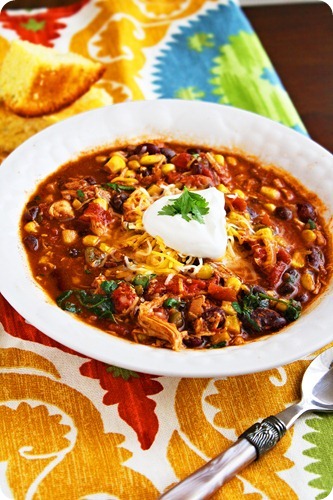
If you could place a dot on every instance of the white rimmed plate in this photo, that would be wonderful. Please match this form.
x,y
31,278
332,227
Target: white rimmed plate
x,y
202,123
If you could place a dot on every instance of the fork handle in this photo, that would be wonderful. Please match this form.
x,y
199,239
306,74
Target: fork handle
x,y
253,443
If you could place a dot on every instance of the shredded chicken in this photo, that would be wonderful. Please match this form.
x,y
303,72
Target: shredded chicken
x,y
155,326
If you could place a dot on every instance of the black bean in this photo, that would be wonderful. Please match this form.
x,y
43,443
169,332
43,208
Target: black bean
x,y
214,315
291,276
31,213
147,147
194,342
316,258
168,153
145,171
283,213
199,167
118,200
91,180
267,320
73,252
31,242
306,211
140,149
193,151
152,148
196,167
286,289
302,298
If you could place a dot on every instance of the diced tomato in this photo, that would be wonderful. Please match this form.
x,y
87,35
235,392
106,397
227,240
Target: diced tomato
x,y
266,220
96,212
239,204
197,181
123,297
283,255
181,161
275,275
219,292
194,286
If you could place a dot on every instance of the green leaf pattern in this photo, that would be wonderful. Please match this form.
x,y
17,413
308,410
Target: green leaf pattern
x,y
322,454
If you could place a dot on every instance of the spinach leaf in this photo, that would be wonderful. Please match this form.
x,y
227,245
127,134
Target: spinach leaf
x,y
109,286
98,304
173,303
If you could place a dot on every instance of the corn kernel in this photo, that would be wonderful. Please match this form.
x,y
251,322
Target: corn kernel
x,y
154,189
205,272
130,173
128,181
134,164
271,193
151,159
90,240
308,236
223,188
168,167
270,207
219,159
281,306
240,193
31,227
77,204
308,282
238,340
68,236
298,260
231,160
234,283
101,202
222,336
116,164
265,232
232,324
228,309
106,248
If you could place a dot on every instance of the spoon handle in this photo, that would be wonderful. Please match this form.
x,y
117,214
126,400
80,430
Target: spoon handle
x,y
253,443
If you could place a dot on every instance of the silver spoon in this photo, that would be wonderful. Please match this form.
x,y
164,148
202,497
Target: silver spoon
x,y
317,394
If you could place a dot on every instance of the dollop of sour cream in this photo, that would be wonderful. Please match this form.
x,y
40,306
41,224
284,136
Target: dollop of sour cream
x,y
207,239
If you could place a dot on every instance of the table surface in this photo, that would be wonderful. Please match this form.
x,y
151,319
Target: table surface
x,y
299,41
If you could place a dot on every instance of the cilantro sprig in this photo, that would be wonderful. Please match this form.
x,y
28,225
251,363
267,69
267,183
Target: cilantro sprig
x,y
190,205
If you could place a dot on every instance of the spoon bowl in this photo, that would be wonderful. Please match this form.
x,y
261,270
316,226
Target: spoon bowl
x,y
317,384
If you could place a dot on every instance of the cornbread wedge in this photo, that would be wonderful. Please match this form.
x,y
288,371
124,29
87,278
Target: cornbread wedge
x,y
37,80
15,129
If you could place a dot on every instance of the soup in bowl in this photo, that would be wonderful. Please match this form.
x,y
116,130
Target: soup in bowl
x,y
172,237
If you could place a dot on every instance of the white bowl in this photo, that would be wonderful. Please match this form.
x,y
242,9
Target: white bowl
x,y
179,121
